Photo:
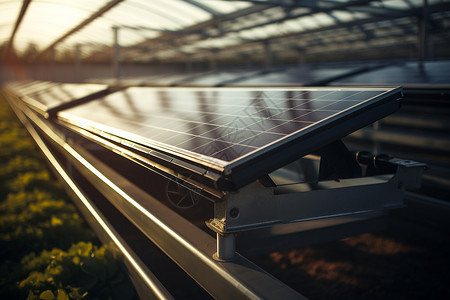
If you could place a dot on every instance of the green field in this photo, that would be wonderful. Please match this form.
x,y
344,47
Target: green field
x,y
47,250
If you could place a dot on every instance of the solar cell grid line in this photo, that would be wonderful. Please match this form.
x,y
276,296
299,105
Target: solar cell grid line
x,y
225,129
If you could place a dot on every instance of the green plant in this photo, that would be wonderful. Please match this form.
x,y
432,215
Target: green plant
x,y
84,271
35,216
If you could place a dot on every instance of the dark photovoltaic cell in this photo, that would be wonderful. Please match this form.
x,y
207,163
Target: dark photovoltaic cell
x,y
24,88
222,129
45,96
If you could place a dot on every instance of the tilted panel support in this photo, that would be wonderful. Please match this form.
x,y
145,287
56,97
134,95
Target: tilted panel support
x,y
256,206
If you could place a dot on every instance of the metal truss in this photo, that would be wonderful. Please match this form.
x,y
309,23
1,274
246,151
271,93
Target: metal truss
x,y
265,28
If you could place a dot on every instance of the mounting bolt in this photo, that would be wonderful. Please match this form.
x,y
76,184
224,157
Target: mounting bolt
x,y
234,212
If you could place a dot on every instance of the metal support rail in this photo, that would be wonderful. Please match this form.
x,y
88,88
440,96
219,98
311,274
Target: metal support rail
x,y
144,280
190,247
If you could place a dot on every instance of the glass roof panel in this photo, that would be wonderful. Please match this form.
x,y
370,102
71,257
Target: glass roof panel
x,y
177,12
224,7
346,16
399,4
45,21
8,15
231,39
156,14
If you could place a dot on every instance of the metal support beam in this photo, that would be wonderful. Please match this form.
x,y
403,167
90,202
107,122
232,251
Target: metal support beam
x,y
202,7
22,12
189,63
356,23
301,56
52,55
256,9
423,44
201,28
116,53
267,55
78,62
380,15
294,4
256,206
80,26
213,60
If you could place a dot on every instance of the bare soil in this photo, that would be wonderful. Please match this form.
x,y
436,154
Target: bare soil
x,y
408,260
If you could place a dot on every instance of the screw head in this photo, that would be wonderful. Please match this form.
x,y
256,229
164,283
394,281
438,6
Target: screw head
x,y
234,212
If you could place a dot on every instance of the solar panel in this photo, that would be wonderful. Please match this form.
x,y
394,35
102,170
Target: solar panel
x,y
163,79
23,88
46,97
218,78
307,75
240,134
427,73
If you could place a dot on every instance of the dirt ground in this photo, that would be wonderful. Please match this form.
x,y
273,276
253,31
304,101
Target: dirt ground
x,y
408,260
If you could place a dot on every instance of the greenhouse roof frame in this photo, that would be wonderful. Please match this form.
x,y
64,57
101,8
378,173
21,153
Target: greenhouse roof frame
x,y
199,30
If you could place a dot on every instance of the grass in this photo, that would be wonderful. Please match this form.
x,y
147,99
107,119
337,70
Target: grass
x,y
47,250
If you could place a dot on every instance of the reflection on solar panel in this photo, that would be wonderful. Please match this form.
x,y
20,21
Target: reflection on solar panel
x,y
239,133
45,97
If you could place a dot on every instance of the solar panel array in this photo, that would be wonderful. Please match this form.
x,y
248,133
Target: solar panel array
x,y
217,127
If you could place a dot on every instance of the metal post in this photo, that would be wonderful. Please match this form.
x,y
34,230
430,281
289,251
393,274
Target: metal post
x,y
267,55
78,62
247,60
300,57
423,39
213,61
189,63
52,75
226,247
116,53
